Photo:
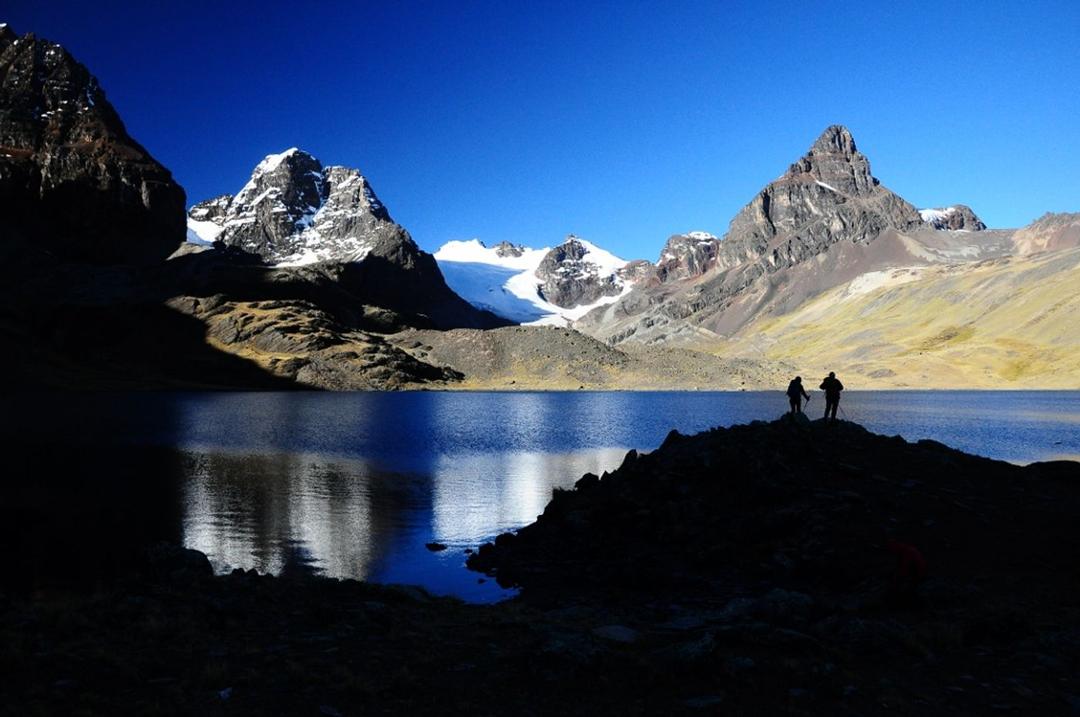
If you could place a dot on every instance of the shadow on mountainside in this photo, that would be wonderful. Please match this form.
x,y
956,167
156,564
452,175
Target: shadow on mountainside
x,y
82,326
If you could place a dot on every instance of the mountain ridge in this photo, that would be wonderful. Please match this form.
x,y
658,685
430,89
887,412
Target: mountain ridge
x,y
74,185
295,212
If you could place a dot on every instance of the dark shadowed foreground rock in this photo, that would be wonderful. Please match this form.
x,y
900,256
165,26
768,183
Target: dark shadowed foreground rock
x,y
803,504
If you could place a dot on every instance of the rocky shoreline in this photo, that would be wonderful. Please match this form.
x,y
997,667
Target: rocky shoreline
x,y
739,571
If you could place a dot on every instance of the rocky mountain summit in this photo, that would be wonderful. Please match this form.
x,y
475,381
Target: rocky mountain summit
x,y
573,274
100,290
959,217
299,276
685,256
74,186
826,197
293,211
505,249
1050,232
827,204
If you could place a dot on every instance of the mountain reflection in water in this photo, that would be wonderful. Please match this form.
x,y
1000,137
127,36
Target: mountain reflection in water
x,y
340,517
355,484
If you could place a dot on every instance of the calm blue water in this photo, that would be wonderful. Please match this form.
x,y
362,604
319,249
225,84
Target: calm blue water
x,y
355,484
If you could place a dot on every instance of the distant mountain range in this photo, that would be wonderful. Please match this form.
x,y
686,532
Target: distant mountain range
x,y
302,278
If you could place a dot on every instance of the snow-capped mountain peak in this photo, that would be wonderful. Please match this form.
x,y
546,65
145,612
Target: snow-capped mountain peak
x,y
294,211
552,285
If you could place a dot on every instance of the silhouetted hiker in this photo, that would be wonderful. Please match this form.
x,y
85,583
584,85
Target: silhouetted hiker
x,y
832,388
909,573
796,393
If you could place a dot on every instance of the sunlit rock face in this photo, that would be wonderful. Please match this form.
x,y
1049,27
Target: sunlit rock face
x,y
828,196
294,211
571,274
685,256
74,186
1050,232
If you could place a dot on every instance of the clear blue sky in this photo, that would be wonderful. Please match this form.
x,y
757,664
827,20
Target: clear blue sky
x,y
623,122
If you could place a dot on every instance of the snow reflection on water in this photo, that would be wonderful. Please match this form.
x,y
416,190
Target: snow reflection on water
x,y
355,484
342,518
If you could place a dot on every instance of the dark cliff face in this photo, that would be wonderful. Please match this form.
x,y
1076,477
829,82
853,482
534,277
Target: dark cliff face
x,y
74,186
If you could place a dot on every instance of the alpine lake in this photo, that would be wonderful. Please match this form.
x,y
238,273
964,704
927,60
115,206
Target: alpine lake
x,y
357,485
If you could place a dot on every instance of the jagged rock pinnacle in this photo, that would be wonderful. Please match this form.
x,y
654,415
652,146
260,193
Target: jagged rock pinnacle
x,y
293,210
835,138
836,164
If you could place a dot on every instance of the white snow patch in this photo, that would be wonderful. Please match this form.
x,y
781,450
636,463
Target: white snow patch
x,y
203,233
193,238
271,161
830,187
508,285
701,236
266,193
932,215
605,261
314,256
474,251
